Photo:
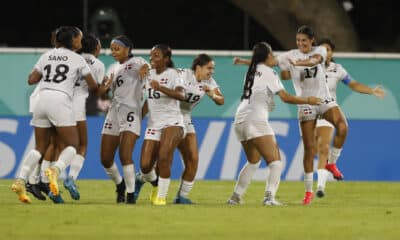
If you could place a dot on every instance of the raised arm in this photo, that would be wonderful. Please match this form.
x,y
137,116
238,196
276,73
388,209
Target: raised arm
x,y
312,61
241,61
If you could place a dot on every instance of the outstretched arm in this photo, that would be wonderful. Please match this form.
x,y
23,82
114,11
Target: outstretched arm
x,y
241,61
377,91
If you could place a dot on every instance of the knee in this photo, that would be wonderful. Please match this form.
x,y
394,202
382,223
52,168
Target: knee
x,y
323,149
146,167
342,128
191,164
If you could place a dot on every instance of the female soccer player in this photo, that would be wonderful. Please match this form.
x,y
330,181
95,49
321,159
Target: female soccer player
x,y
123,121
58,70
165,127
198,82
90,50
324,130
305,66
251,122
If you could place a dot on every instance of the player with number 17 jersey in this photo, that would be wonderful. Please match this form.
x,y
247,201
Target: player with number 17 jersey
x,y
164,111
307,81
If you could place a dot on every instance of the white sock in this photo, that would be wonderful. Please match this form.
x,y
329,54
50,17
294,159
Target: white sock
x,y
150,176
76,166
114,174
29,163
245,177
65,158
334,155
34,177
129,176
45,165
308,181
274,178
185,188
163,185
322,177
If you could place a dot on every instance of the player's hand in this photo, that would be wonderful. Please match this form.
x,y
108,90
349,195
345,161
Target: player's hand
x,y
378,92
107,81
143,71
314,100
154,84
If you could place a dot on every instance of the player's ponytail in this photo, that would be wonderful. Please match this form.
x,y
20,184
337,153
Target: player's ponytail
x,y
260,54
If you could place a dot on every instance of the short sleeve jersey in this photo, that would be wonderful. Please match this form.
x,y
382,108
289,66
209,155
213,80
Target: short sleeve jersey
x,y
307,81
194,90
97,68
335,73
61,68
163,110
127,87
258,97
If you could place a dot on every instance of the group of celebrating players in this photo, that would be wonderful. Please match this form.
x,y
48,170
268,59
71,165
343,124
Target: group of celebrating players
x,y
65,74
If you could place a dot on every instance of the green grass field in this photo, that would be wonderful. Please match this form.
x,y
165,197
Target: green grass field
x,y
351,210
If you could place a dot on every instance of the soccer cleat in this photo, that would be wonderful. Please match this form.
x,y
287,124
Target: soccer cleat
x,y
52,175
269,200
272,202
44,187
153,194
234,200
308,198
182,200
335,171
121,192
130,198
160,202
320,192
138,185
19,188
70,185
56,199
35,190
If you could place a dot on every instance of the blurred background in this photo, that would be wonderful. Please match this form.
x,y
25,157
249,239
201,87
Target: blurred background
x,y
355,25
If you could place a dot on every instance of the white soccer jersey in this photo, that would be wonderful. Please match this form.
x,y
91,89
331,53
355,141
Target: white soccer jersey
x,y
97,68
194,90
163,110
307,81
335,73
127,86
60,69
258,97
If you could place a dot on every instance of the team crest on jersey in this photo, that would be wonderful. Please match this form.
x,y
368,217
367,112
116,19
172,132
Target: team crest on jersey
x,y
128,66
307,111
151,131
164,81
108,125
201,88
